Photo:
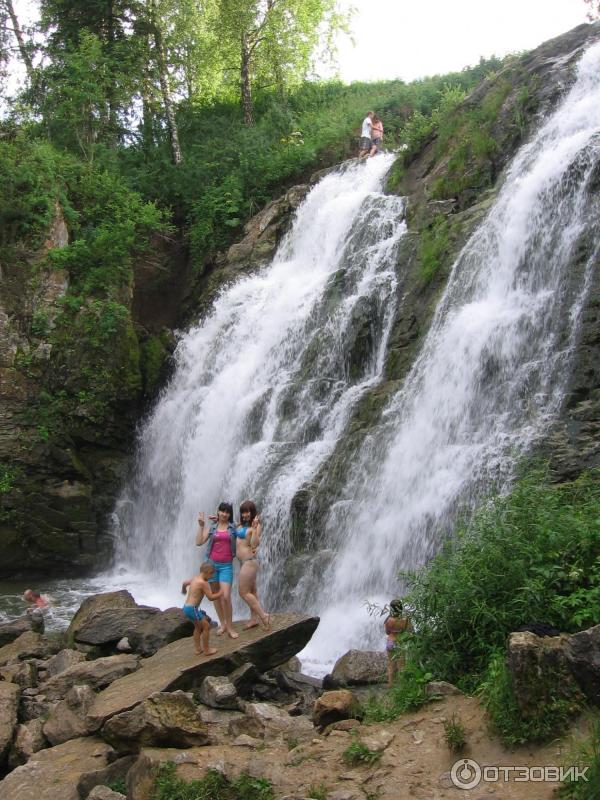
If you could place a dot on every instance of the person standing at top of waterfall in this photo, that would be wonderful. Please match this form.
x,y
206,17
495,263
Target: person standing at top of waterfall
x,y
221,538
248,540
365,135
395,624
376,135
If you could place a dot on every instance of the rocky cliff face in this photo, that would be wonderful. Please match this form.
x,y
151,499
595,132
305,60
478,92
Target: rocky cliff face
x,y
70,399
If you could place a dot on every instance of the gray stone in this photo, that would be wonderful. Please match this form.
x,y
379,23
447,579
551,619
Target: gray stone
x,y
55,773
104,793
266,721
67,719
584,661
9,631
97,674
218,692
96,603
243,740
360,666
123,646
62,661
28,645
441,688
9,702
24,674
34,706
29,739
336,705
161,629
243,678
108,625
163,719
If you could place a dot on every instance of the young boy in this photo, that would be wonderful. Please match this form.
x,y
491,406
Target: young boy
x,y
198,588
394,624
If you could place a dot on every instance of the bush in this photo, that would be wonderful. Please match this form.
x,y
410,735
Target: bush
x,y
213,786
531,556
588,756
358,753
454,733
407,694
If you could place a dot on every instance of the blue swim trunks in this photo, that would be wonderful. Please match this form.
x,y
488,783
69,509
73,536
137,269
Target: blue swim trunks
x,y
223,571
194,613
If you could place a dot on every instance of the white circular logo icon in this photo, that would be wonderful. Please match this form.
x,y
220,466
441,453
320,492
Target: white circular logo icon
x,y
465,774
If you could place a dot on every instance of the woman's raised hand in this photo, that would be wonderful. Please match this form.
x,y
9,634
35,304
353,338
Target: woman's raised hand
x,y
201,519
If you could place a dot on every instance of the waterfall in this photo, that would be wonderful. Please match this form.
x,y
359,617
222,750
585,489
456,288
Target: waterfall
x,y
264,387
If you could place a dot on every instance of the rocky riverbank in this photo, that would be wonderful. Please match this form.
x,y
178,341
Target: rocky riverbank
x,y
122,694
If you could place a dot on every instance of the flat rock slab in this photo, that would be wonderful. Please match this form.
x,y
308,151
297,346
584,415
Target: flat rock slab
x,y
54,774
176,666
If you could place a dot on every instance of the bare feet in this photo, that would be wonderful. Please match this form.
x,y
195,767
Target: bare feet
x,y
253,623
220,630
198,652
266,623
232,634
211,651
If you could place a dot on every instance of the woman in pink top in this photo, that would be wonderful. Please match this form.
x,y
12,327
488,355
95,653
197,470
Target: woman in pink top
x,y
221,538
376,135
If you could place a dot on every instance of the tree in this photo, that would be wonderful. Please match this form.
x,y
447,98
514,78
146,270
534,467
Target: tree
x,y
275,39
7,10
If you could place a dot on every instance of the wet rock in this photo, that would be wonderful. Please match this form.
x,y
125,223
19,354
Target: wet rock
x,y
160,629
62,661
67,719
218,692
28,645
9,631
107,625
96,603
360,666
164,719
55,773
9,702
336,705
97,674
29,739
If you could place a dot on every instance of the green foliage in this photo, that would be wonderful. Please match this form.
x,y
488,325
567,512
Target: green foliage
x,y
213,786
406,694
455,733
587,755
317,792
9,474
434,243
548,720
357,753
531,556
118,786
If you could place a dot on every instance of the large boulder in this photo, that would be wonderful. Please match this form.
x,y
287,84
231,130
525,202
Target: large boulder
x,y
97,674
540,672
336,705
9,703
28,645
218,692
584,661
108,625
67,719
29,739
98,602
163,719
359,667
157,631
177,666
56,773
9,631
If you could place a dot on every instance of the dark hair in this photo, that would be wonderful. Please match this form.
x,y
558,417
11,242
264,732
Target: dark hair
x,y
228,508
396,607
248,505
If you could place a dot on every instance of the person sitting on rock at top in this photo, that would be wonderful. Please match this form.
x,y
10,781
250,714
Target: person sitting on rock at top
x,y
393,625
365,135
197,589
376,135
35,598
249,533
221,538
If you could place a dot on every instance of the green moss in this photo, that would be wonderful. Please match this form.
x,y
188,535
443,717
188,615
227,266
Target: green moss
x,y
434,246
153,355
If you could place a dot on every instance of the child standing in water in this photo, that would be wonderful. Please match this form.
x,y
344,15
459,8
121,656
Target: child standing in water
x,y
394,624
197,588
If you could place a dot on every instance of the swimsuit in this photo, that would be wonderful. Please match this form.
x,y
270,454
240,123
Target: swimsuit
x,y
223,571
194,613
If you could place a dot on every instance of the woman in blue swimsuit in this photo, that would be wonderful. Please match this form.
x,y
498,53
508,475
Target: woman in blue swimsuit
x,y
248,534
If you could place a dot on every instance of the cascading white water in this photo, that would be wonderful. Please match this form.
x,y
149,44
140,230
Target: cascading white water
x,y
490,375
264,386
